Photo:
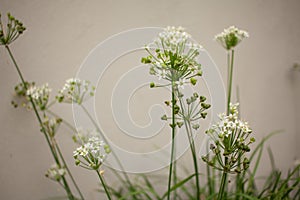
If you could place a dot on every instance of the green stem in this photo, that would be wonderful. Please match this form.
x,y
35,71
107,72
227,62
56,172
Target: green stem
x,y
173,140
69,172
104,185
222,186
112,152
230,74
188,128
67,188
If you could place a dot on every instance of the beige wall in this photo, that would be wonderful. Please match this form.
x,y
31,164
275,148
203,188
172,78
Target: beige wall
x,y
61,33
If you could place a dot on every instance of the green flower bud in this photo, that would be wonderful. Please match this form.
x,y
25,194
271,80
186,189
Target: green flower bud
x,y
195,95
204,158
199,73
203,115
193,81
196,126
172,125
176,109
202,98
179,124
205,105
152,85
146,60
77,162
188,101
164,117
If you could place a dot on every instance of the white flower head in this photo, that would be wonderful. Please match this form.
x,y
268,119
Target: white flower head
x,y
173,57
75,91
93,153
40,95
55,172
231,37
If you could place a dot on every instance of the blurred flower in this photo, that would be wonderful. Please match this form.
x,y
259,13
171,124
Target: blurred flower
x,y
39,95
14,29
51,125
231,37
75,91
55,172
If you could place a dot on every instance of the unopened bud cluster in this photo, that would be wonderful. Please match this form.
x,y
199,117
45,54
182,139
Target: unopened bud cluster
x,y
14,28
196,110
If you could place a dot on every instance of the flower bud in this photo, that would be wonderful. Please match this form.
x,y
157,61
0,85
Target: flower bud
x,y
193,81
152,85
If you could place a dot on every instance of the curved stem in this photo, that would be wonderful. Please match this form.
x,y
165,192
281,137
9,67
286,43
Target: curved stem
x,y
67,188
104,185
230,73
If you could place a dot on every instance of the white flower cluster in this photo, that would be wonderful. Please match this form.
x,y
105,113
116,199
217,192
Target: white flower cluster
x,y
230,141
175,57
93,152
230,124
172,37
231,37
55,172
40,95
75,91
51,125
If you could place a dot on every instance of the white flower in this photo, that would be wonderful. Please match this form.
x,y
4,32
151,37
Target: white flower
x,y
55,172
75,91
229,124
93,153
231,37
180,83
161,74
40,95
175,57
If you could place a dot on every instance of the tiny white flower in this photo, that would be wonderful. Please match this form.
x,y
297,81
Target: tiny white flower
x,y
231,37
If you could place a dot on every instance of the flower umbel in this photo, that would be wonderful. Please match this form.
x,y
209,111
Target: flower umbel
x,y
55,172
14,29
91,154
75,91
230,136
40,95
175,57
231,37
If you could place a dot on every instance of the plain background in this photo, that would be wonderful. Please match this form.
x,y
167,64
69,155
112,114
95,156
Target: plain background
x,y
61,33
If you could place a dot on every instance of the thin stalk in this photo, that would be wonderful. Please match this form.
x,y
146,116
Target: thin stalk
x,y
173,140
69,172
230,73
188,127
106,141
67,188
222,186
104,185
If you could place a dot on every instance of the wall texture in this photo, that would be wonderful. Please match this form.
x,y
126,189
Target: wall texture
x,y
61,33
